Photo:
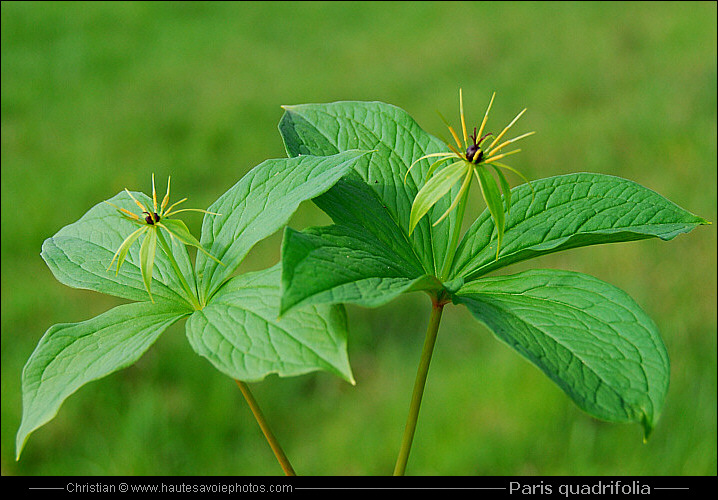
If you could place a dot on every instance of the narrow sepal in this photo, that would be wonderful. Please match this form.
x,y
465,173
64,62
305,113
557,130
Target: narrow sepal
x,y
505,187
492,197
435,189
147,259
121,253
178,229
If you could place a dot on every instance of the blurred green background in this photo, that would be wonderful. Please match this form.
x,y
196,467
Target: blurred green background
x,y
97,96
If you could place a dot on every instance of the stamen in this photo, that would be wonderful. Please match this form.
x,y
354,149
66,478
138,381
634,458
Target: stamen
x,y
166,199
463,123
456,137
169,210
486,116
451,129
154,193
142,207
122,210
129,214
455,151
498,157
501,146
498,137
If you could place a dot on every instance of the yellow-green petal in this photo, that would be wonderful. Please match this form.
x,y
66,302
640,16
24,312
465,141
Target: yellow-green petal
x,y
533,192
492,197
436,164
177,229
434,190
147,258
505,187
462,192
432,155
121,252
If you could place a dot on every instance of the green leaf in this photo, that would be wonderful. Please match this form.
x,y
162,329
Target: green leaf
x,y
79,256
354,204
364,259
397,141
260,204
341,265
588,336
70,355
435,189
240,334
570,211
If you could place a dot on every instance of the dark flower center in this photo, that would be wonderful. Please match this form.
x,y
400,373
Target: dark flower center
x,y
474,153
152,218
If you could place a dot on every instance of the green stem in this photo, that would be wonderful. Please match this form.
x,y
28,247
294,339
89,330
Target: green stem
x,y
451,251
273,443
423,370
185,285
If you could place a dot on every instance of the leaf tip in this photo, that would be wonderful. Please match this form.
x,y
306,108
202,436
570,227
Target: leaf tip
x,y
21,440
345,373
283,308
412,226
648,426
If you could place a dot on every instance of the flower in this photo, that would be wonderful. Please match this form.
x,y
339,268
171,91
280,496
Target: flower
x,y
470,157
152,219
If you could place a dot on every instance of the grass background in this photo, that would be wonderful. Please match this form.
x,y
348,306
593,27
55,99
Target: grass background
x,y
96,97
